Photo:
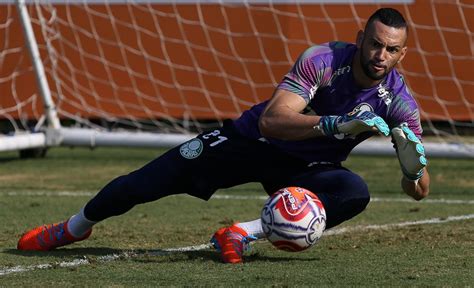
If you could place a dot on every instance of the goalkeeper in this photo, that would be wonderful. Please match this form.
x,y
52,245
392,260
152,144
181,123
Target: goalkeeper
x,y
335,96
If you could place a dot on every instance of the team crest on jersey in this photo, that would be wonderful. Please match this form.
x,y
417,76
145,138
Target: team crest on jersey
x,y
359,108
191,149
362,107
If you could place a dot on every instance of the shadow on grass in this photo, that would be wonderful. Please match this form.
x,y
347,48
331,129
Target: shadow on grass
x,y
148,256
9,159
212,255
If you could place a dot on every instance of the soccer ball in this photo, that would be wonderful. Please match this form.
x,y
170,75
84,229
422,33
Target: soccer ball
x,y
293,219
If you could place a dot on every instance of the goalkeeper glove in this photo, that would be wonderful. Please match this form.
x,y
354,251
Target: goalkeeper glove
x,y
352,124
410,152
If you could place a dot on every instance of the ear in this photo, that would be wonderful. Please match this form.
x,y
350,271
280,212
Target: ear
x,y
402,55
360,38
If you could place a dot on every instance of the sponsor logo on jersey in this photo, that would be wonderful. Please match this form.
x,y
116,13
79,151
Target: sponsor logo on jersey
x,y
385,94
312,91
191,149
339,72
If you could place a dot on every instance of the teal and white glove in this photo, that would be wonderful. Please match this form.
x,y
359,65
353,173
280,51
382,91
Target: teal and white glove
x,y
410,152
352,124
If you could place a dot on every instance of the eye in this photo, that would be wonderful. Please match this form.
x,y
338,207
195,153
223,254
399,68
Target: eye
x,y
377,44
393,50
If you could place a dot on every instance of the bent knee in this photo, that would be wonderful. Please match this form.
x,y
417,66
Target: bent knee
x,y
348,207
360,199
359,204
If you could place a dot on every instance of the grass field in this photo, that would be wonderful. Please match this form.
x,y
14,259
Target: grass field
x,y
396,242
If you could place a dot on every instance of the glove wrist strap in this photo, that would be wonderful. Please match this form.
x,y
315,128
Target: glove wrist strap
x,y
327,125
318,128
411,180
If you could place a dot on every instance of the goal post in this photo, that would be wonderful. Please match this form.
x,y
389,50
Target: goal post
x,y
155,73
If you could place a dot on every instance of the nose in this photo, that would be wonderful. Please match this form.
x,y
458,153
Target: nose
x,y
380,54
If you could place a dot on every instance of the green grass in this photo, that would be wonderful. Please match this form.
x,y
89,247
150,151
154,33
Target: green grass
x,y
430,255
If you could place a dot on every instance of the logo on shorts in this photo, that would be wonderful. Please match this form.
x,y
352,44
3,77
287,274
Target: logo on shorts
x,y
191,149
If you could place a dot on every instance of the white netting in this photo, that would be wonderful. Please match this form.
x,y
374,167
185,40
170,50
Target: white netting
x,y
176,67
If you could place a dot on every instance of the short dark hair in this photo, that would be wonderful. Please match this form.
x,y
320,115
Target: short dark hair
x,y
390,17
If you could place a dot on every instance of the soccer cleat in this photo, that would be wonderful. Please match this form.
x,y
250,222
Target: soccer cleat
x,y
48,237
231,242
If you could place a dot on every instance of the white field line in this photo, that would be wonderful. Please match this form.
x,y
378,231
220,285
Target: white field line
x,y
130,254
361,228
105,258
230,197
375,199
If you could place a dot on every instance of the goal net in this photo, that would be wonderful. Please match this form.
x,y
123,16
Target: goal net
x,y
181,67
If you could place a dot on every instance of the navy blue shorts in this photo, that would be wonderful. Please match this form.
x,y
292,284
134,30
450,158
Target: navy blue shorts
x,y
223,158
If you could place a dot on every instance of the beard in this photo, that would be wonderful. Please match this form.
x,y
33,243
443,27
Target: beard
x,y
366,67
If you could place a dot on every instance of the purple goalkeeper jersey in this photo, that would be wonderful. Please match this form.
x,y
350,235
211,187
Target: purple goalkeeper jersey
x,y
322,76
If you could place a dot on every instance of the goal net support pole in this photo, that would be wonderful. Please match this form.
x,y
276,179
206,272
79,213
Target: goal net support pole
x,y
42,82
